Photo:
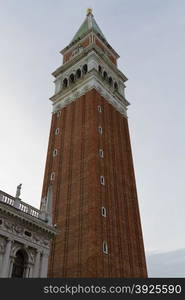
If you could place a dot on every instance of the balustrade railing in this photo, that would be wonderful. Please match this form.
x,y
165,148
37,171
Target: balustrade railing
x,y
18,204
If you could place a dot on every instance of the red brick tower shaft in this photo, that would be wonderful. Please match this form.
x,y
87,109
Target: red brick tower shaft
x,y
89,168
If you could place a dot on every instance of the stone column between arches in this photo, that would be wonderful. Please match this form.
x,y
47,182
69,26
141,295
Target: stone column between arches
x,y
6,259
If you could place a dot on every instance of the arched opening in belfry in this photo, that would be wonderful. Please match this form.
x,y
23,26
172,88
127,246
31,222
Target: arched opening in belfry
x,y
72,78
104,75
116,86
65,83
110,81
20,264
78,73
85,69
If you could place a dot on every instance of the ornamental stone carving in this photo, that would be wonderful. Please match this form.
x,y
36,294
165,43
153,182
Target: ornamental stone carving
x,y
18,229
22,231
45,242
8,225
36,237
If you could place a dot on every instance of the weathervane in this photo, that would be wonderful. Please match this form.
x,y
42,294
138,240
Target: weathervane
x,y
89,11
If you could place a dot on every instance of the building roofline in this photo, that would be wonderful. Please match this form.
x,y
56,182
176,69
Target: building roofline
x,y
10,210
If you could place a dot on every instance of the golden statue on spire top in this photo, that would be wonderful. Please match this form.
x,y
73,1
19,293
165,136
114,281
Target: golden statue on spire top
x,y
89,11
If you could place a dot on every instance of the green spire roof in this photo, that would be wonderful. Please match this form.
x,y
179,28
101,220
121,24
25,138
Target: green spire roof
x,y
88,24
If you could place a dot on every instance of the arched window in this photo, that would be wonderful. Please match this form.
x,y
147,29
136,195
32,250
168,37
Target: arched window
x,y
102,180
100,129
110,81
103,212
104,75
99,108
99,69
57,131
72,78
115,86
20,264
105,247
54,152
78,73
52,176
58,114
85,69
65,83
101,153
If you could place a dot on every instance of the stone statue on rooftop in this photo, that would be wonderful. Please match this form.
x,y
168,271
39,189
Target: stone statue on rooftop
x,y
18,191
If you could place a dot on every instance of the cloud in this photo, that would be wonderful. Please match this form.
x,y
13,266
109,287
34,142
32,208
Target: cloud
x,y
166,264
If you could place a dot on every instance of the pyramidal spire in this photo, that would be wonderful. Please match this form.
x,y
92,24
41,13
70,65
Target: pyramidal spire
x,y
88,24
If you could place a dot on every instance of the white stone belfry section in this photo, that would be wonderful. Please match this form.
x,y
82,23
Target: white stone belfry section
x,y
102,75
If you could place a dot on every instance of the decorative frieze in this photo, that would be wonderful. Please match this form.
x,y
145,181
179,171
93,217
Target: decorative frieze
x,y
20,231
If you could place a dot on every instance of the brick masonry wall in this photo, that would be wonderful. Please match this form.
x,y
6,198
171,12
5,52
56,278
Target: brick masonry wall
x,y
78,195
102,47
85,43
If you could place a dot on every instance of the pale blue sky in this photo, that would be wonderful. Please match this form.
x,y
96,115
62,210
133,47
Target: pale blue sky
x,y
149,36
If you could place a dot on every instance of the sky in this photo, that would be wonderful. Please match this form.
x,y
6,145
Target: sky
x,y
166,264
149,37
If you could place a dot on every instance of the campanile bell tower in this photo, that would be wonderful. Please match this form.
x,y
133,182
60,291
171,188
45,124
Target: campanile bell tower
x,y
89,184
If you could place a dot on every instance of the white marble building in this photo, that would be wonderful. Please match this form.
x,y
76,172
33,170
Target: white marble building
x,y
25,237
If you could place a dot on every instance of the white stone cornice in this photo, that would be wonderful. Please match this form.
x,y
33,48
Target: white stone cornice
x,y
37,237
92,81
11,211
21,240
